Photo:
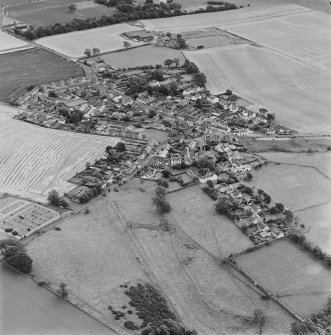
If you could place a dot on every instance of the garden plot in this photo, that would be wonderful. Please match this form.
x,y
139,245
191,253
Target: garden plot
x,y
9,43
248,14
42,159
297,187
73,44
298,93
22,217
300,282
304,35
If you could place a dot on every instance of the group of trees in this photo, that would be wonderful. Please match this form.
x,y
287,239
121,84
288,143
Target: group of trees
x,y
94,52
159,199
126,12
55,199
14,254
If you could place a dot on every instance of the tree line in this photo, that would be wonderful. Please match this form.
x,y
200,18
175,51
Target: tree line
x,y
126,12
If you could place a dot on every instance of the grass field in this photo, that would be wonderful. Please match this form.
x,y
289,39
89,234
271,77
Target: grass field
x,y
41,159
10,43
48,12
296,187
93,255
206,296
74,44
301,282
247,14
146,55
298,93
290,34
32,67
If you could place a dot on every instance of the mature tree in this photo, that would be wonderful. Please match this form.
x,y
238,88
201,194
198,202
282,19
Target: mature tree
x,y
200,79
168,62
54,197
172,88
88,53
190,67
20,261
72,7
88,165
52,94
176,61
249,176
10,242
160,191
126,45
267,198
166,173
288,215
210,183
163,182
62,291
222,207
120,146
96,51
273,210
162,204
279,206
260,191
63,203
181,43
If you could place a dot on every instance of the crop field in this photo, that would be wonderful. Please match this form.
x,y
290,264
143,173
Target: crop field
x,y
206,296
290,34
74,44
247,14
145,55
300,282
32,67
297,187
9,43
41,159
48,12
298,93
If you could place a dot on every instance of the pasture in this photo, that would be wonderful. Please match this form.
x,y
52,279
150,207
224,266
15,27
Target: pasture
x,y
206,296
23,217
247,14
290,34
48,12
41,159
300,282
32,67
297,187
9,43
145,55
298,93
73,44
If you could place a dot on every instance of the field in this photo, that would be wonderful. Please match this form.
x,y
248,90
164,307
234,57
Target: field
x,y
187,266
297,187
247,14
146,55
48,12
32,67
9,43
23,216
74,44
289,34
94,256
300,282
41,159
298,93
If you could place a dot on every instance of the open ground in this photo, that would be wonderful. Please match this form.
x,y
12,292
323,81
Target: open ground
x,y
291,274
73,44
48,12
297,187
9,43
41,159
146,55
298,93
32,67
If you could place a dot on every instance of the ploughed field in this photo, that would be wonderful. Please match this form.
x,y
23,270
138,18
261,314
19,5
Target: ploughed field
x,y
73,44
32,67
297,92
34,160
48,12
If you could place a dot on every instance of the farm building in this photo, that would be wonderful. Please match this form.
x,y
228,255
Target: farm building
x,y
139,35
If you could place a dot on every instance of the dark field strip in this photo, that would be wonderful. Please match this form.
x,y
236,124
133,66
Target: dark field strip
x,y
32,67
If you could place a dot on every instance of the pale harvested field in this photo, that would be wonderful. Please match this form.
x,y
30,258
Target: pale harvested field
x,y
205,295
301,282
9,43
298,93
74,44
296,187
304,35
93,255
247,14
40,159
317,225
